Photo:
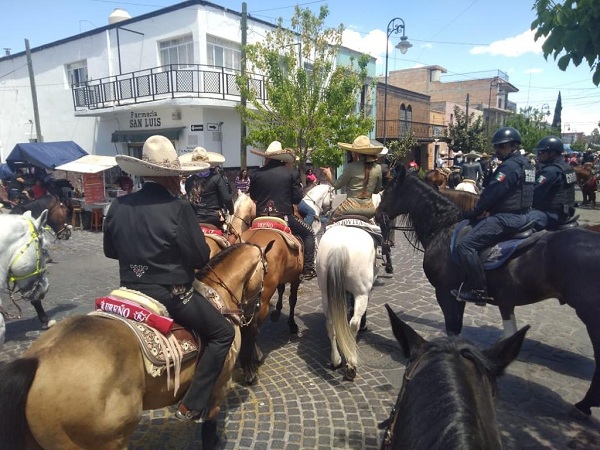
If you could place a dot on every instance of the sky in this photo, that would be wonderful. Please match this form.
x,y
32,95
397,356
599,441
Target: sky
x,y
469,38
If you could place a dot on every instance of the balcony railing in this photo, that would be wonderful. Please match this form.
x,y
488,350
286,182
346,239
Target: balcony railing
x,y
164,82
395,129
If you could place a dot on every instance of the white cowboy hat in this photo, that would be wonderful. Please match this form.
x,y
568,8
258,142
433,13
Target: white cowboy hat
x,y
473,155
458,153
200,154
275,151
362,144
159,159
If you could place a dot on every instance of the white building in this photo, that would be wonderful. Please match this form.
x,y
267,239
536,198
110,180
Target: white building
x,y
169,72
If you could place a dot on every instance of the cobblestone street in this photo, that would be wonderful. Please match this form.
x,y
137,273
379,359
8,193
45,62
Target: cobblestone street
x,y
299,403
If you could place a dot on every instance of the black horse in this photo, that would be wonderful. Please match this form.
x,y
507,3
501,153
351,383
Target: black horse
x,y
447,398
561,264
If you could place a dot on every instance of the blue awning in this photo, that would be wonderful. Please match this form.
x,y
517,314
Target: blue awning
x,y
46,155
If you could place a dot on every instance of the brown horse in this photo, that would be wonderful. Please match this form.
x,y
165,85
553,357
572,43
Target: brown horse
x,y
285,266
57,213
587,182
83,384
465,201
437,178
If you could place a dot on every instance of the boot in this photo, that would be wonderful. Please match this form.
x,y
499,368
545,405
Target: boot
x,y
475,289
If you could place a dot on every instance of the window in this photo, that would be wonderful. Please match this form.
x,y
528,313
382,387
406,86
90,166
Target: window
x,y
222,53
405,119
178,52
77,73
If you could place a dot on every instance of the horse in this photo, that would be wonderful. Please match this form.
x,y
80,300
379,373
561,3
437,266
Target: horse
x,y
437,178
23,264
588,183
84,384
345,265
320,199
286,267
464,200
561,264
447,398
57,213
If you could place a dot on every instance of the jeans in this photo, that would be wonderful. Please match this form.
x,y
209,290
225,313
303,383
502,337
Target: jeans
x,y
307,212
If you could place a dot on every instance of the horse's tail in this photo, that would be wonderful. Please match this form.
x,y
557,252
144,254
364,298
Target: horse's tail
x,y
336,295
16,378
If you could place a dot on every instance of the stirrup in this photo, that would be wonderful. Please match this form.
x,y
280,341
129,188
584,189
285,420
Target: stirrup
x,y
479,297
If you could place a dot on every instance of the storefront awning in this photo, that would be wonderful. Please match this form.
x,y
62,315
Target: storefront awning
x,y
46,155
142,135
89,164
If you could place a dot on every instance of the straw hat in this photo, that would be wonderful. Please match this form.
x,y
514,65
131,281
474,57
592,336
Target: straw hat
x,y
275,151
200,154
458,153
159,159
362,144
472,155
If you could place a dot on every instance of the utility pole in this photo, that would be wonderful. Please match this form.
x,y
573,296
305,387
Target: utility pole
x,y
36,114
467,102
244,26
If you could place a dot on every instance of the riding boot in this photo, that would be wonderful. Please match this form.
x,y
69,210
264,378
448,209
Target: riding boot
x,y
474,289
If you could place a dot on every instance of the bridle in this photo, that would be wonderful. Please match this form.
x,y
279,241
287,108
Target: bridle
x,y
245,317
38,272
386,222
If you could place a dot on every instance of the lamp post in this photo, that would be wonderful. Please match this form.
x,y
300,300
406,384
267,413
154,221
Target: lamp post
x,y
395,26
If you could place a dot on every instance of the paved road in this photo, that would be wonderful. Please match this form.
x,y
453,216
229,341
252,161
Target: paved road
x,y
300,404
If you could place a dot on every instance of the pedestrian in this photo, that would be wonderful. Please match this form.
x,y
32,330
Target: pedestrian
x,y
156,239
242,181
507,200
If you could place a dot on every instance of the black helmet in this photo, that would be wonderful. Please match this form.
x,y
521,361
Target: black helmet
x,y
550,143
506,134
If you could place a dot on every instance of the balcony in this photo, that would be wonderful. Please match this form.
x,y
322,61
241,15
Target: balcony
x,y
422,131
160,83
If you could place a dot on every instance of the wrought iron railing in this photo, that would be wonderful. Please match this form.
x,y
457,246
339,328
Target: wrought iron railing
x,y
395,129
157,83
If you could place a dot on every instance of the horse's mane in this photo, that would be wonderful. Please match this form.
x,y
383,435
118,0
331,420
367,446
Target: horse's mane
x,y
218,259
464,200
429,210
443,393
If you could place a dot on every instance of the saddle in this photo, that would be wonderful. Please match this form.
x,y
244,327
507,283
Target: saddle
x,y
280,226
497,255
364,224
214,233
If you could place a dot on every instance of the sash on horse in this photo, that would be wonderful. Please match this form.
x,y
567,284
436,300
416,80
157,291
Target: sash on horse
x,y
278,225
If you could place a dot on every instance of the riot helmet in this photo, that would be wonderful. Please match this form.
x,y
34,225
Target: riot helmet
x,y
506,135
549,143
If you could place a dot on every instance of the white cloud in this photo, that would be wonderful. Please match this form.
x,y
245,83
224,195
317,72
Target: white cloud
x,y
512,46
533,70
372,43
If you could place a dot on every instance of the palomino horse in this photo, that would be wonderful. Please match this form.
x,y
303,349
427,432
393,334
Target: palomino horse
x,y
447,398
345,266
560,264
57,213
285,265
22,262
588,183
83,384
320,199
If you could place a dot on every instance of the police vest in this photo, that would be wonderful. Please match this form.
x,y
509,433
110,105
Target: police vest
x,y
565,190
521,198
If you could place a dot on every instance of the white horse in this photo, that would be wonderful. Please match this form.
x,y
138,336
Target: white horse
x,y
319,199
345,265
22,262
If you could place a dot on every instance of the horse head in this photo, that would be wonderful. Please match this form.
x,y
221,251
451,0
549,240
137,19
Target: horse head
x,y
244,211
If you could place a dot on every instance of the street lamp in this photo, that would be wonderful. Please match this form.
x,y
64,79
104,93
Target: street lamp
x,y
395,26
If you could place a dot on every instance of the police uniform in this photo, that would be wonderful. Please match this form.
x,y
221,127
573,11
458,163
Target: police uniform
x,y
507,198
554,194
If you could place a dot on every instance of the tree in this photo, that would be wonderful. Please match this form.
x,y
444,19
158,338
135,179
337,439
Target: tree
x,y
467,134
399,149
311,103
531,124
557,119
571,29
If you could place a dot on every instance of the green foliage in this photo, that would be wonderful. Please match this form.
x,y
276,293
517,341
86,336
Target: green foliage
x,y
578,146
571,31
398,150
557,119
311,103
531,124
467,134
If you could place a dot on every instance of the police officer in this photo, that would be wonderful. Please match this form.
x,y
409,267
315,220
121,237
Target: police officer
x,y
507,200
554,192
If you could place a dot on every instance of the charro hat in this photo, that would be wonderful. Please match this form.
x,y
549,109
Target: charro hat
x,y
362,144
458,153
159,159
275,151
473,155
199,154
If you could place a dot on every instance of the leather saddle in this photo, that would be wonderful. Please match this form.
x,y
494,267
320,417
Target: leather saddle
x,y
279,226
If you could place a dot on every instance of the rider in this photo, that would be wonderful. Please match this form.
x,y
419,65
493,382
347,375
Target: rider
x,y
207,191
161,259
471,169
507,200
362,178
275,188
554,193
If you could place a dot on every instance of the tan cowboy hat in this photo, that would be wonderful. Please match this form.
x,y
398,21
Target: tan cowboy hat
x,y
473,155
200,154
275,151
159,159
362,144
458,153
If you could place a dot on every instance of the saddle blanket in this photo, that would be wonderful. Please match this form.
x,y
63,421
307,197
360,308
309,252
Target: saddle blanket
x,y
134,311
497,255
373,230
280,226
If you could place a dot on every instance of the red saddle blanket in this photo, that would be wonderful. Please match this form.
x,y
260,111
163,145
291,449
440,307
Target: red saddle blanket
x,y
271,224
134,311
206,230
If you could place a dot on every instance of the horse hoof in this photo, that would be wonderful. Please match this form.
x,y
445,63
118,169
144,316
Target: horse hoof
x,y
350,373
275,315
578,414
293,328
389,269
210,438
334,367
251,379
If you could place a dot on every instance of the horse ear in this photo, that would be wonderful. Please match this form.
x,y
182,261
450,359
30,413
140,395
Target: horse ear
x,y
42,219
27,214
504,352
409,339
